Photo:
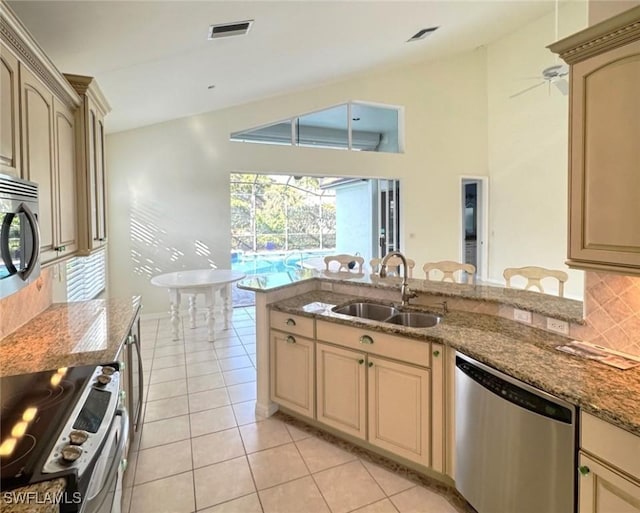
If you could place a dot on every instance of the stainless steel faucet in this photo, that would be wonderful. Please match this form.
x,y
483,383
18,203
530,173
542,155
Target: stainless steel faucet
x,y
405,293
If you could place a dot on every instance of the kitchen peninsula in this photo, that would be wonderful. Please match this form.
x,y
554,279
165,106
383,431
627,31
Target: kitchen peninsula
x,y
295,310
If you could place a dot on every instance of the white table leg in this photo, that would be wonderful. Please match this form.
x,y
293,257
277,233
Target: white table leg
x,y
174,297
226,304
210,301
192,310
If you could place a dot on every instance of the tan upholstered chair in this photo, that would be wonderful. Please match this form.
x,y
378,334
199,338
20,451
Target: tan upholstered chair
x,y
448,269
534,275
393,266
343,262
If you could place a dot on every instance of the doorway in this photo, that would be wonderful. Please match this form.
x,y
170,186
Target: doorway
x,y
474,216
388,216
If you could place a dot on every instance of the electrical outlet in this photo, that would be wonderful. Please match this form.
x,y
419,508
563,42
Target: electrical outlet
x,y
558,326
522,316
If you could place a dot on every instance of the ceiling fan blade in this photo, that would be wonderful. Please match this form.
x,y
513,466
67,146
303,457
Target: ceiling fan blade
x,y
527,89
563,85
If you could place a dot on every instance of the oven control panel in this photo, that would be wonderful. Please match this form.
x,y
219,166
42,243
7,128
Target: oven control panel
x,y
85,429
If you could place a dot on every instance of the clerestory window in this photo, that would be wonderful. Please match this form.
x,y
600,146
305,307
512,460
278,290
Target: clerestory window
x,y
354,126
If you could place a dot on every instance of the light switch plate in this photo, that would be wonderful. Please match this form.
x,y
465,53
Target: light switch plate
x,y
557,325
522,316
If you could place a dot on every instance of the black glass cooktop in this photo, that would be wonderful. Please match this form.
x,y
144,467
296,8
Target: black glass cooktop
x,y
34,408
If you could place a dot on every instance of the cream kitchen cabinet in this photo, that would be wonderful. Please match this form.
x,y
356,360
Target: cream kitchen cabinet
x,y
341,390
292,361
398,402
91,172
609,468
48,160
604,154
402,411
9,113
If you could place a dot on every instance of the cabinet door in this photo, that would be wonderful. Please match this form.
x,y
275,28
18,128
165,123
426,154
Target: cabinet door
x,y
341,392
96,172
38,166
9,113
292,370
67,235
602,490
399,409
605,158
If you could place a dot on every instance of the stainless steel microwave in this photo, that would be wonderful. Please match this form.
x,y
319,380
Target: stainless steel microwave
x,y
19,234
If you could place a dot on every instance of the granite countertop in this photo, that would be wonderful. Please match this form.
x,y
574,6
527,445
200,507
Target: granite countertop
x,y
36,498
69,335
520,351
545,304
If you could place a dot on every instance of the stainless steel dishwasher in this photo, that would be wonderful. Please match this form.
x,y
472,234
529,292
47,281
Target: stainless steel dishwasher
x,y
515,445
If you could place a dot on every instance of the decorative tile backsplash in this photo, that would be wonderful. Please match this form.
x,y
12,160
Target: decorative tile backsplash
x,y
19,308
612,307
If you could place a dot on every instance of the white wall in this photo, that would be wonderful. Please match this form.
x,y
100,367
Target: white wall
x,y
528,151
355,219
168,183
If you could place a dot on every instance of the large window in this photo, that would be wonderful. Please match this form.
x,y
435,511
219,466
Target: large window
x,y
350,126
86,276
282,213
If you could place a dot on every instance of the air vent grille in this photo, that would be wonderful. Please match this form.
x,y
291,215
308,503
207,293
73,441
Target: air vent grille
x,y
238,28
422,34
15,187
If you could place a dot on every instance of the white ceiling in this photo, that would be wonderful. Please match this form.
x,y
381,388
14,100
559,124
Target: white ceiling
x,y
153,60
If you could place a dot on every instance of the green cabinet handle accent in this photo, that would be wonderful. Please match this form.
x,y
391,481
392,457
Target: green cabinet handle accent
x,y
370,364
366,339
436,353
360,361
584,470
291,340
291,322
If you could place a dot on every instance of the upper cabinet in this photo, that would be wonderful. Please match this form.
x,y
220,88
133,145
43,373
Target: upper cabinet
x,y
604,144
52,132
9,113
92,185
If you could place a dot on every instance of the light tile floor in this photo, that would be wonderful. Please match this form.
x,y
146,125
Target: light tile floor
x,y
202,448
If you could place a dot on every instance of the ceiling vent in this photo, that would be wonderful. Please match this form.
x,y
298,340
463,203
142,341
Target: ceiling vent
x,y
237,28
422,34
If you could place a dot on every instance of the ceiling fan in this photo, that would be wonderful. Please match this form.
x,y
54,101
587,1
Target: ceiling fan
x,y
555,75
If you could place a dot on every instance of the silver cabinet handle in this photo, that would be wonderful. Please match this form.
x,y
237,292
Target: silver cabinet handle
x,y
130,339
291,340
366,339
291,322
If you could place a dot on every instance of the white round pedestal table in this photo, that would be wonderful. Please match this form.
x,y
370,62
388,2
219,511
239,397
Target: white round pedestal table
x,y
199,281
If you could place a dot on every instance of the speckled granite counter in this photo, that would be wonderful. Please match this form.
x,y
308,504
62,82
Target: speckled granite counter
x,y
36,498
544,304
523,352
68,335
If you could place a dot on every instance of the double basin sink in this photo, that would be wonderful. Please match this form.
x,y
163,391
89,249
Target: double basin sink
x,y
390,314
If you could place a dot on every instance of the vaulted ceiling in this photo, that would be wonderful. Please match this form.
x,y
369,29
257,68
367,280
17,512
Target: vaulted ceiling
x,y
154,62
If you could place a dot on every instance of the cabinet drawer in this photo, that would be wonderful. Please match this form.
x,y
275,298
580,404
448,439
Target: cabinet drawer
x,y
295,324
375,342
611,444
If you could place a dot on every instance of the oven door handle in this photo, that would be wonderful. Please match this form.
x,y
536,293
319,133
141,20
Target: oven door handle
x,y
122,443
35,230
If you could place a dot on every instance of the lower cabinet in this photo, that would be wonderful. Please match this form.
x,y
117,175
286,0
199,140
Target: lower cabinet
x,y
362,383
341,390
292,370
604,490
399,397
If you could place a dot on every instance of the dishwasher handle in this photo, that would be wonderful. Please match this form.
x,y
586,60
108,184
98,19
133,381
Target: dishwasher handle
x,y
515,394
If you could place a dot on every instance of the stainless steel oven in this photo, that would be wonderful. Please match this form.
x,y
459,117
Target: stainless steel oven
x,y
70,423
19,234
